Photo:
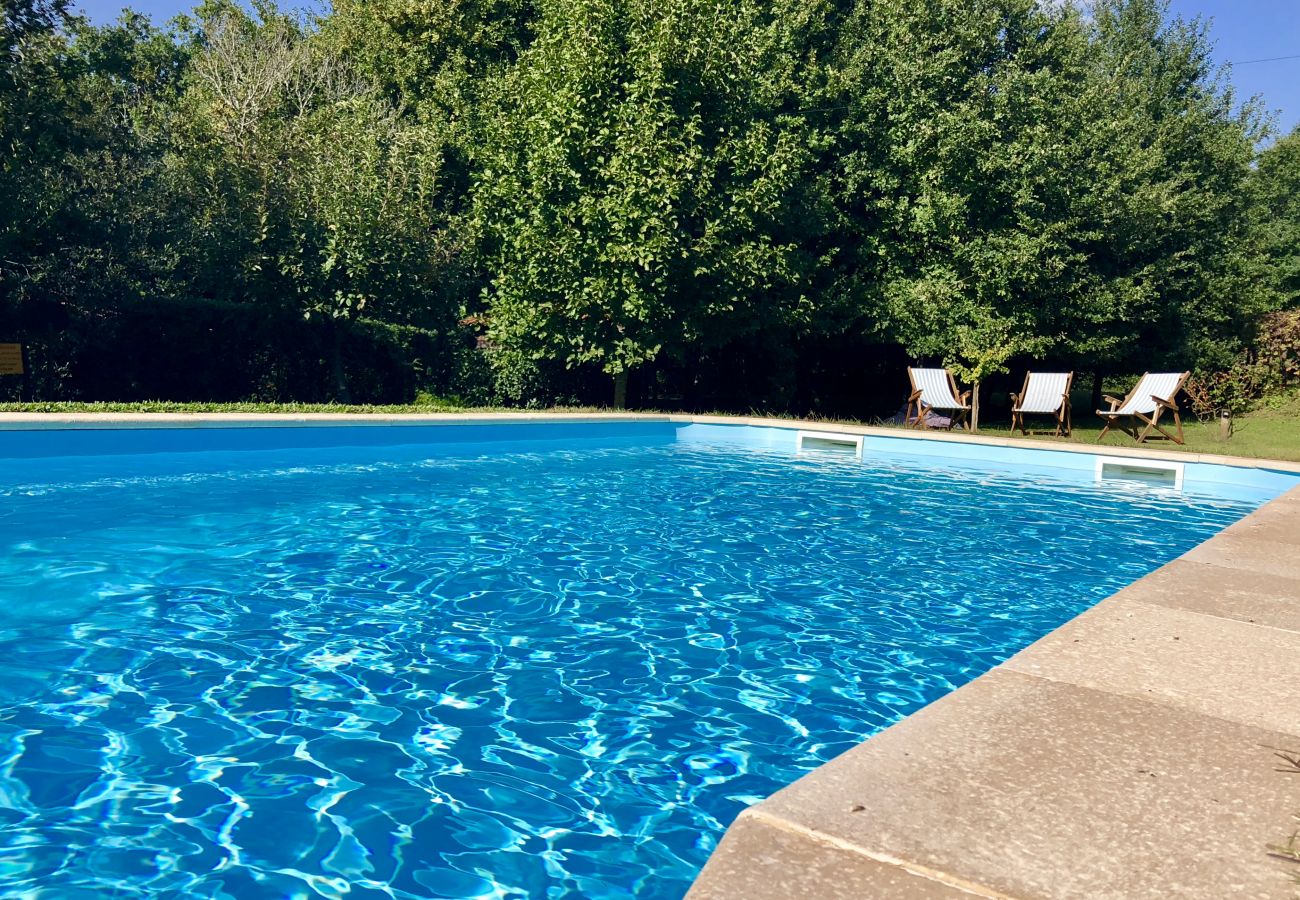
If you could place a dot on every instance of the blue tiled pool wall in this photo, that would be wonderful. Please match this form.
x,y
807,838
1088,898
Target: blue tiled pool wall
x,y
29,451
47,443
114,453
1239,482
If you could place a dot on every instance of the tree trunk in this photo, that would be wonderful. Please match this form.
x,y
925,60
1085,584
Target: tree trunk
x,y
975,407
1096,390
341,394
620,390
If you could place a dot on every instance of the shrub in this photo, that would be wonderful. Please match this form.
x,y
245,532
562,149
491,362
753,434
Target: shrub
x,y
1235,389
1278,346
1271,364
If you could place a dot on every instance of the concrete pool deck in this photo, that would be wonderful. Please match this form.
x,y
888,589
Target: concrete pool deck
x,y
1137,751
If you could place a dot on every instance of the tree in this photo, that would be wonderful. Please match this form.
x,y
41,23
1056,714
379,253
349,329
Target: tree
x,y
1165,148
946,174
80,110
635,180
352,229
38,127
1025,179
1275,218
431,54
974,340
616,186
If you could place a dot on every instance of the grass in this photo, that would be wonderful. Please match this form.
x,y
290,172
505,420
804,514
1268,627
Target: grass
x,y
1290,849
1270,432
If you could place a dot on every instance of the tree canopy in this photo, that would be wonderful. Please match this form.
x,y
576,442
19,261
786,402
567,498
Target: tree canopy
x,y
1275,219
531,200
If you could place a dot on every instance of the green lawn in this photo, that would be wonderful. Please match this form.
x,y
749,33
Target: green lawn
x,y
1271,432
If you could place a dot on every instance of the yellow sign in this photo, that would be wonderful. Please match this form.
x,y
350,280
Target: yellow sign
x,y
11,359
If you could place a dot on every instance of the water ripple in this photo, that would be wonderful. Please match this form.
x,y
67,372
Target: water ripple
x,y
526,675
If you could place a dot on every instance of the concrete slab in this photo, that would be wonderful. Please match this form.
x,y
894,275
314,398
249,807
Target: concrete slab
x,y
1239,594
92,421
1277,521
765,859
1033,788
1246,552
1218,667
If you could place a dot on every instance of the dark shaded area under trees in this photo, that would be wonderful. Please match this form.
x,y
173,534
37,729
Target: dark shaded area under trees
x,y
714,204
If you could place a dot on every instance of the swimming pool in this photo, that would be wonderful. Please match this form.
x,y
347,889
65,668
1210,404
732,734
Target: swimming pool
x,y
497,661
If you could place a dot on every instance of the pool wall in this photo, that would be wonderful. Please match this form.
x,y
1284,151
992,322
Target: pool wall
x,y
1139,751
45,437
235,436
1075,463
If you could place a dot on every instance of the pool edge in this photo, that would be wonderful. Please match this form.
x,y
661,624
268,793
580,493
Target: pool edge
x,y
102,421
1137,450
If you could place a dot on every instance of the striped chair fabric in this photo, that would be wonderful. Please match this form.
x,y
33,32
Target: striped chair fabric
x,y
935,388
1045,392
1163,385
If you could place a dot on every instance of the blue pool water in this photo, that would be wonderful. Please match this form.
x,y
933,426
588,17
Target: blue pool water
x,y
516,670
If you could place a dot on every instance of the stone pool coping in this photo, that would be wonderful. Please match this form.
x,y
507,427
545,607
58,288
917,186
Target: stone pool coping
x,y
1137,751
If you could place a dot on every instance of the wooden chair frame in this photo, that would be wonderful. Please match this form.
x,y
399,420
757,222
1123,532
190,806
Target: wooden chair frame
x,y
917,411
1064,421
1152,421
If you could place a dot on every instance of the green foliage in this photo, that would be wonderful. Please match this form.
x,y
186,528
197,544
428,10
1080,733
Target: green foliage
x,y
1170,241
1275,215
635,180
432,52
1023,179
1277,346
952,175
1235,389
353,231
1268,368
684,190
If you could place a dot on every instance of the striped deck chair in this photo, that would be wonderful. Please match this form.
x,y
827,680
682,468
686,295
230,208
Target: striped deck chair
x,y
1145,403
935,390
1044,394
